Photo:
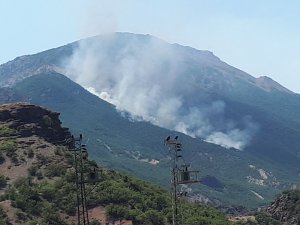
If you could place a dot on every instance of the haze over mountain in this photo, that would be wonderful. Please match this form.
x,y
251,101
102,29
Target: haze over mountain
x,y
175,87
158,82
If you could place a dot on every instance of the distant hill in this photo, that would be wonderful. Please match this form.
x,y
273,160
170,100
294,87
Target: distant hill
x,y
255,119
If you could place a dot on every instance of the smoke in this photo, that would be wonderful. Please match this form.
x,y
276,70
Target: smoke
x,y
147,78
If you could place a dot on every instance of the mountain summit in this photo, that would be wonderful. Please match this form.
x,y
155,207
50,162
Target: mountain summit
x,y
122,46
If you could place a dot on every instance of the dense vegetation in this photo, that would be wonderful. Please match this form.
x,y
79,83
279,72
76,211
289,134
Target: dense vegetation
x,y
123,196
49,192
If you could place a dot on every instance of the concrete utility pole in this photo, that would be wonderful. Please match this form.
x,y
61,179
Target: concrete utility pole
x,y
180,175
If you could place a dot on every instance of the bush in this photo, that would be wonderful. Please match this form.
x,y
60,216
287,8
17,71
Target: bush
x,y
39,175
51,216
55,170
21,216
42,159
14,158
3,181
33,170
154,217
2,159
95,222
6,131
3,217
30,153
2,213
264,219
8,146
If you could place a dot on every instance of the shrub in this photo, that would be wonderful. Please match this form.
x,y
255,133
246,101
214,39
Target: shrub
x,y
2,159
39,175
32,170
8,146
42,159
263,218
59,151
3,181
51,216
30,153
95,222
6,131
3,217
21,216
14,158
55,170
47,120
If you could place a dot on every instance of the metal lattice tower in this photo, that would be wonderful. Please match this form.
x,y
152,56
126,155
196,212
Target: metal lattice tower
x,y
83,175
82,212
180,175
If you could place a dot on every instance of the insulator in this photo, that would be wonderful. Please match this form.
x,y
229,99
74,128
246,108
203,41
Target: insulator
x,y
84,154
178,147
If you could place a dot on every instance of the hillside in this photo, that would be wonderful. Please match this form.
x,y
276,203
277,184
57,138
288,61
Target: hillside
x,y
37,179
129,146
241,131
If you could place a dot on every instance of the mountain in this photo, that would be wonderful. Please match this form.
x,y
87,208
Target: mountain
x,y
242,132
37,180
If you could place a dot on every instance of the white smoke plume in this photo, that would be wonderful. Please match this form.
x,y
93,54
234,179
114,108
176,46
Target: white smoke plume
x,y
146,77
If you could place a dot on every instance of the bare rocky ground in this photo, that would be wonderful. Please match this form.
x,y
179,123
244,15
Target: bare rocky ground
x,y
28,143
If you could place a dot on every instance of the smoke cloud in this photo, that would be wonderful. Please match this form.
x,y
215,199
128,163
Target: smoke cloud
x,y
147,78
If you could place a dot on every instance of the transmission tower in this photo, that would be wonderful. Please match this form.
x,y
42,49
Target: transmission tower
x,y
180,175
83,175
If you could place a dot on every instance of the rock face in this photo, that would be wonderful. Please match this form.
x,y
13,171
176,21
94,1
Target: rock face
x,y
286,208
31,151
31,120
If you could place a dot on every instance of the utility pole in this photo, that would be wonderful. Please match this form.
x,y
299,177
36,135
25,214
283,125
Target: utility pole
x,y
82,176
180,175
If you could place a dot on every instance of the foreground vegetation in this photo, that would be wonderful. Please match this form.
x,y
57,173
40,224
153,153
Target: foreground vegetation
x,y
50,192
47,196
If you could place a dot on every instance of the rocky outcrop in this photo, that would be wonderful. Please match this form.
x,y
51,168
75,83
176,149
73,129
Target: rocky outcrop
x,y
286,208
269,85
29,120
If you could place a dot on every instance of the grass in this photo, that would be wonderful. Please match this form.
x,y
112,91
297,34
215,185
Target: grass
x,y
6,131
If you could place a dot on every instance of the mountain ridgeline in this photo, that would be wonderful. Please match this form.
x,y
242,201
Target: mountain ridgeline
x,y
241,132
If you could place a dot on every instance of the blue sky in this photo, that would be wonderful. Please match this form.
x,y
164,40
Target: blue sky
x,y
261,37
